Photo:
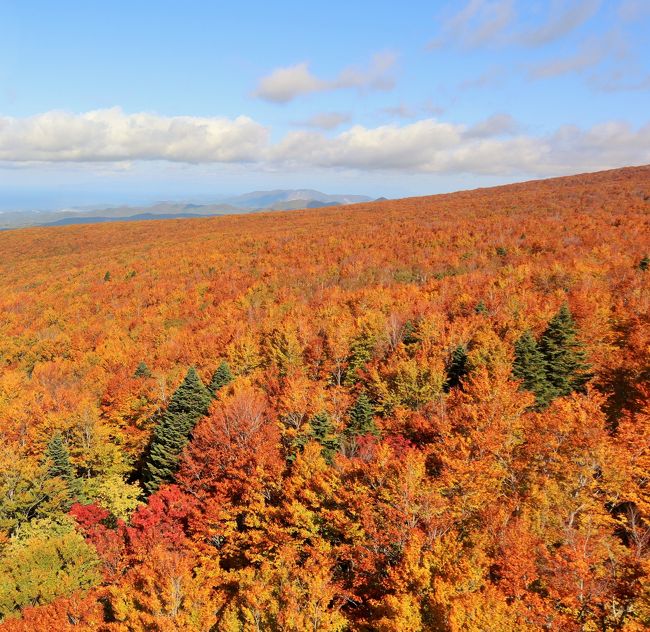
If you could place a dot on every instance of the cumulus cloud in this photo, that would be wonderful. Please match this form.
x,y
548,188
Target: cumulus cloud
x,y
403,111
326,120
499,124
111,135
430,146
285,84
493,146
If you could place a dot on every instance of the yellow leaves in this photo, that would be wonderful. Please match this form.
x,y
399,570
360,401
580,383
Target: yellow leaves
x,y
45,565
282,349
398,613
408,382
113,494
286,596
486,611
300,399
243,354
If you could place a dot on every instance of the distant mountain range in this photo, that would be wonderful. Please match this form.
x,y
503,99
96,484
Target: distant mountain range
x,y
276,200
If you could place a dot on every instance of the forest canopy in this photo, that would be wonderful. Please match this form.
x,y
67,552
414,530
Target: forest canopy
x,y
420,414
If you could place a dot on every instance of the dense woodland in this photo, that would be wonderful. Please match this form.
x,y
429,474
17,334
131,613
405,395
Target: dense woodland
x,y
423,414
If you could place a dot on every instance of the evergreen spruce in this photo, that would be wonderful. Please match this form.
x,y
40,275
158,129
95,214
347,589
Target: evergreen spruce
x,y
566,368
222,377
58,457
142,370
530,367
361,421
323,431
410,333
644,264
480,308
57,453
191,397
188,404
456,367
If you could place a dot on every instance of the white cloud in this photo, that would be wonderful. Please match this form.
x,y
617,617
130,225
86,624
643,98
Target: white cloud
x,y
493,146
326,120
499,124
111,135
285,84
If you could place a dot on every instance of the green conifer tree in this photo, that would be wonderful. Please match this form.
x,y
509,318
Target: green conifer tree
x,y
189,403
57,453
323,431
410,333
481,308
564,356
60,466
361,421
456,367
222,377
530,367
644,264
191,397
142,370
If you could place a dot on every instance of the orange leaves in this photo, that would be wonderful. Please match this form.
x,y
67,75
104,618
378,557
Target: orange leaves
x,y
465,512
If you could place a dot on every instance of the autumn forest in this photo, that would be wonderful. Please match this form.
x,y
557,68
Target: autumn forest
x,y
411,415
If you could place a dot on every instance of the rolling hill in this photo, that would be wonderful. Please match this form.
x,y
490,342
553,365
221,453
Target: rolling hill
x,y
420,414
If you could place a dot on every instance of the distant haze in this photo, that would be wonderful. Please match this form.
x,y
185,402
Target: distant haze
x,y
277,199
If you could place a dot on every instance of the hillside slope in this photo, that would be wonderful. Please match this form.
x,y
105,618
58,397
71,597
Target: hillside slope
x,y
380,455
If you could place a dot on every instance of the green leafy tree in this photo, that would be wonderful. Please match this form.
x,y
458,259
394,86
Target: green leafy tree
x,y
222,377
361,351
37,569
644,264
530,367
456,367
188,404
564,356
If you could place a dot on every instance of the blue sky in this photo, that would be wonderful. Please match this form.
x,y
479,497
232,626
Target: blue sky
x,y
139,101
